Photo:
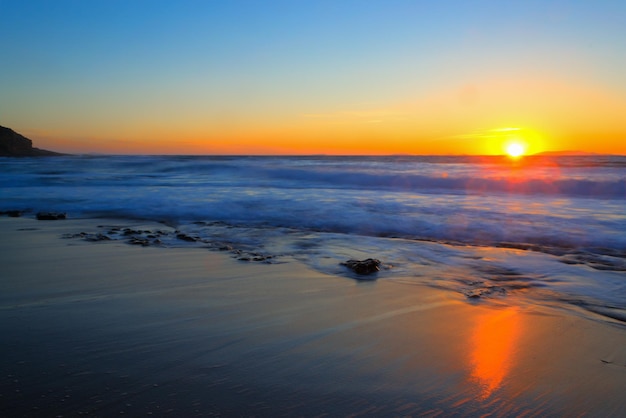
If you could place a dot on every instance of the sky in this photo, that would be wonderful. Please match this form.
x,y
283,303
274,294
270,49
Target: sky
x,y
314,77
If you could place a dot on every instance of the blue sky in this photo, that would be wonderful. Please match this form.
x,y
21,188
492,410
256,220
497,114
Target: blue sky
x,y
73,69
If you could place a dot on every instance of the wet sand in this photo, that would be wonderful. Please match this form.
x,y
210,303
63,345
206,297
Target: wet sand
x,y
107,328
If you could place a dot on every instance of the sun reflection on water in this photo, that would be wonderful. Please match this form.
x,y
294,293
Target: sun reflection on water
x,y
494,341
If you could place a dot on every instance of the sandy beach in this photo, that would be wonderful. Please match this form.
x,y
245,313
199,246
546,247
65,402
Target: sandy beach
x,y
106,328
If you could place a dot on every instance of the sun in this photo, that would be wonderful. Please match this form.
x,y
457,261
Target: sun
x,y
515,149
512,142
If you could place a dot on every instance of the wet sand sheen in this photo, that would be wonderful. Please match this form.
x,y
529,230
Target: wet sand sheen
x,y
105,328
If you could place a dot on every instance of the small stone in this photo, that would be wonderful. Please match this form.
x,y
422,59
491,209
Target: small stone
x,y
50,216
97,237
363,267
185,237
139,241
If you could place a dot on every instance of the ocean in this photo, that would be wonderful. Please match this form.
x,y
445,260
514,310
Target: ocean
x,y
545,230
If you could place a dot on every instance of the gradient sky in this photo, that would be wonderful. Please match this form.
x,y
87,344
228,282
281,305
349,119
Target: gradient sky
x,y
301,77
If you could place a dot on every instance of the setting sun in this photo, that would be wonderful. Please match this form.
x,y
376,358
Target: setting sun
x,y
515,149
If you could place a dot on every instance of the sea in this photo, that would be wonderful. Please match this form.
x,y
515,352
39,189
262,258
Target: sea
x,y
538,230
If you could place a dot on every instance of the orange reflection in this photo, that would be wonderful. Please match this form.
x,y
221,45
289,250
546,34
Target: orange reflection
x,y
494,341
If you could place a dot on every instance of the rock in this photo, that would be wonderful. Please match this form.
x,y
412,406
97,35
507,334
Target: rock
x,y
13,144
88,237
97,237
185,237
363,267
484,292
12,213
139,241
473,293
50,216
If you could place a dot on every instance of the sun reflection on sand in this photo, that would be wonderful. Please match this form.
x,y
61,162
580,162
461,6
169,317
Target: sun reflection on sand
x,y
494,342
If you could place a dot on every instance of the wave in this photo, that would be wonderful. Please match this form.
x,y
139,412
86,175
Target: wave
x,y
613,189
426,198
434,175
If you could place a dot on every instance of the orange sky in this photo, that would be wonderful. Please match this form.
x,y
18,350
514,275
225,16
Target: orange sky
x,y
477,118
381,78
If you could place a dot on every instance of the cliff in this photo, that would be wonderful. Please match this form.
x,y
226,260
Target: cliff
x,y
13,144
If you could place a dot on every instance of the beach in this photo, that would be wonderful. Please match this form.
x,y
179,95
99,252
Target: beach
x,y
107,328
313,209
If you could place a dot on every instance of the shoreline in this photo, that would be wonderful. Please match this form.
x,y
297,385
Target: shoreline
x,y
103,328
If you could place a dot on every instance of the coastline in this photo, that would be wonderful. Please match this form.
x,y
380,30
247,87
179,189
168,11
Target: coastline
x,y
108,328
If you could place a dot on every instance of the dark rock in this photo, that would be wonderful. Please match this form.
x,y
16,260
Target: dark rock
x,y
484,292
88,237
13,144
185,237
97,237
139,241
363,267
474,293
50,216
12,213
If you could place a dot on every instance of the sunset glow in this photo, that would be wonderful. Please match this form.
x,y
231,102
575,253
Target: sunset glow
x,y
493,351
313,77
